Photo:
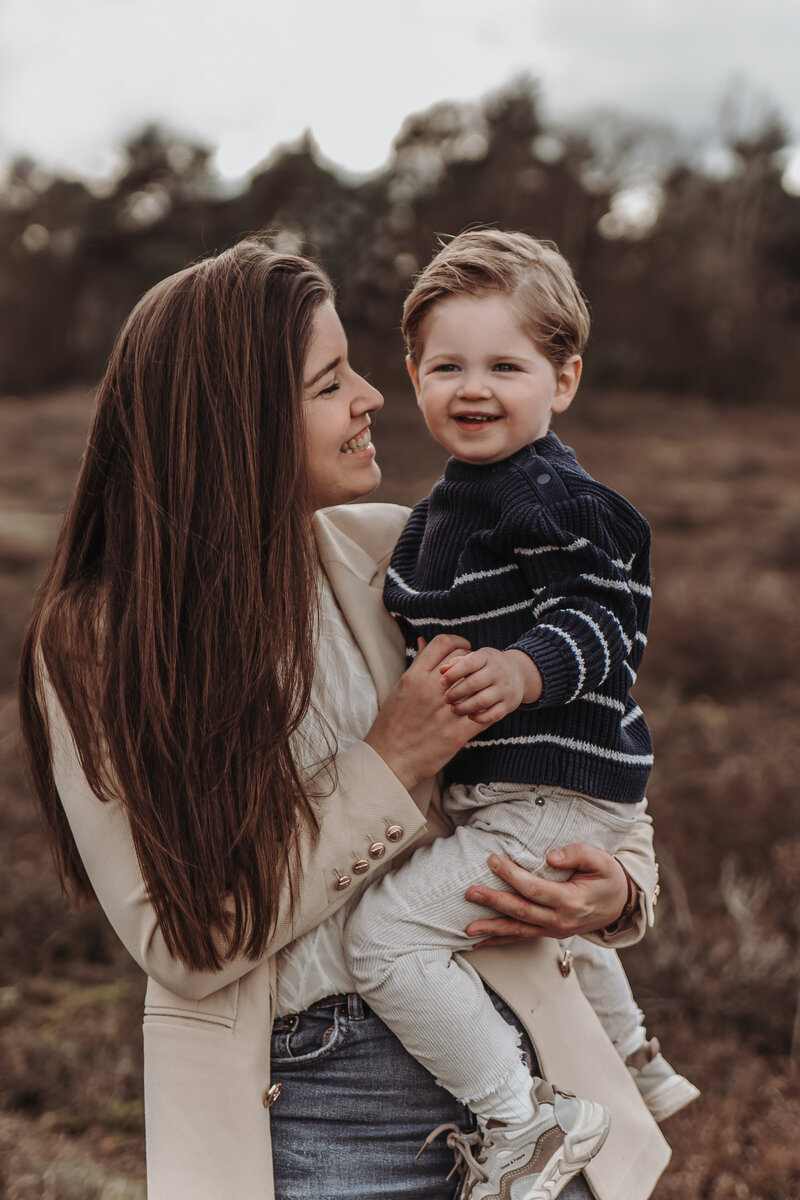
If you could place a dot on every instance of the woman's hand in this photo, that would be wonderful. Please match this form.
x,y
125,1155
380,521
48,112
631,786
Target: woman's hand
x,y
416,732
592,899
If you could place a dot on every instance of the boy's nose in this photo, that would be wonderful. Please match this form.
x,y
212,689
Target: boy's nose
x,y
474,385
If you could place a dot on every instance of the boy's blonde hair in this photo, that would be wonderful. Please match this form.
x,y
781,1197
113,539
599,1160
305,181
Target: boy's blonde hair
x,y
535,277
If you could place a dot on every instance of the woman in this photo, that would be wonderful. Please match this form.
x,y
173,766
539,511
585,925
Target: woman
x,y
219,798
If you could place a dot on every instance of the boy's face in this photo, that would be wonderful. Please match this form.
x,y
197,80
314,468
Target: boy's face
x,y
485,389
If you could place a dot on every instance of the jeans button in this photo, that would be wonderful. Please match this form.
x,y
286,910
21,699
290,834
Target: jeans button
x,y
271,1095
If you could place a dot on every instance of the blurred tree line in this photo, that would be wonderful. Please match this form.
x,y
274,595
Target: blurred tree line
x,y
693,274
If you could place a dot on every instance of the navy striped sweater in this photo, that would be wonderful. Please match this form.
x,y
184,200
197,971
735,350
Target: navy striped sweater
x,y
533,554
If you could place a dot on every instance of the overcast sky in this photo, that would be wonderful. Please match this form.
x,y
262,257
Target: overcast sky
x,y
76,76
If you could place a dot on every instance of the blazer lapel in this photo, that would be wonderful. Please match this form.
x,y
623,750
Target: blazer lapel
x,y
357,583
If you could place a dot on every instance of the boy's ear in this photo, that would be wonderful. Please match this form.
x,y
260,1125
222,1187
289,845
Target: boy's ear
x,y
413,372
567,380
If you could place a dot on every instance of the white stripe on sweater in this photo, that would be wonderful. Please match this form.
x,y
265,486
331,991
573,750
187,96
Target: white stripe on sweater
x,y
632,716
599,635
459,579
632,760
546,604
398,579
575,648
618,585
626,641
468,619
606,701
483,574
578,544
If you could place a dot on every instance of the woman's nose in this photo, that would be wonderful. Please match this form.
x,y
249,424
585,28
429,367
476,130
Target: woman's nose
x,y
368,398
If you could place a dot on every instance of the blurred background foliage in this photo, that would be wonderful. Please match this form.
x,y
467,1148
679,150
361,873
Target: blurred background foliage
x,y
689,251
691,259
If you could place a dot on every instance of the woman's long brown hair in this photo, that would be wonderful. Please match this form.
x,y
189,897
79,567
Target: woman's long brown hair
x,y
175,621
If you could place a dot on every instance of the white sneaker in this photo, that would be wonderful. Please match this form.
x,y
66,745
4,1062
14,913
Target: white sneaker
x,y
534,1161
663,1090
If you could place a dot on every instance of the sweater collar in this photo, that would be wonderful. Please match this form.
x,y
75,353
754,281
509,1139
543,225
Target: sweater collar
x,y
548,446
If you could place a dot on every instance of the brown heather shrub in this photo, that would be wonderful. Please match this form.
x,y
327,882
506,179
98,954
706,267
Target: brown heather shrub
x,y
719,977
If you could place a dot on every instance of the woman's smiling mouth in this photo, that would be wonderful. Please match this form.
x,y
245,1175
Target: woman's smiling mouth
x,y
359,442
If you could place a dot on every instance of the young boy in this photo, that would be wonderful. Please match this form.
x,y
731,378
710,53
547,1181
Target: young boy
x,y
546,573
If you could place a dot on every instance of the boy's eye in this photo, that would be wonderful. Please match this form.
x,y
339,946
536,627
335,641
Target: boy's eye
x,y
446,367
505,366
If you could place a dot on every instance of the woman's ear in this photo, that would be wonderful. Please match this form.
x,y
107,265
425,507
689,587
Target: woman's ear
x,y
568,377
413,372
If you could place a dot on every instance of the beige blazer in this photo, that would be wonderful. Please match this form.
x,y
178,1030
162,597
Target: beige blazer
x,y
207,1036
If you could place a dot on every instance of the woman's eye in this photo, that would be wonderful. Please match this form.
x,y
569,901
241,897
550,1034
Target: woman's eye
x,y
333,387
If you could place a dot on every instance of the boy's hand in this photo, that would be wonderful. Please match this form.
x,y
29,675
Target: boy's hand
x,y
488,684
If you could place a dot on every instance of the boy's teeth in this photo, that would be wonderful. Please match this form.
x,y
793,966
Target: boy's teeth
x,y
359,442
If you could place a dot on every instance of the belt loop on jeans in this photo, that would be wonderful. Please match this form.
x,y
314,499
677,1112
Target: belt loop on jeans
x,y
355,1007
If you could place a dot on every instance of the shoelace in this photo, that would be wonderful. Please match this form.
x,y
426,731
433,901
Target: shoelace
x,y
461,1144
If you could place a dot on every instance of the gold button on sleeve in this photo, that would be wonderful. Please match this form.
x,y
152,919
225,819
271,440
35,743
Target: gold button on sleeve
x,y
271,1095
394,832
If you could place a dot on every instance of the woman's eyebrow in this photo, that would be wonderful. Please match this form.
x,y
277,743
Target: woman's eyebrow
x,y
330,367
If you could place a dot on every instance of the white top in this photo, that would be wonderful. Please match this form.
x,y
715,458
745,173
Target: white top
x,y
344,705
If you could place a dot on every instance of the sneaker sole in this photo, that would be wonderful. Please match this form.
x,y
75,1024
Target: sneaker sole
x,y
577,1151
670,1097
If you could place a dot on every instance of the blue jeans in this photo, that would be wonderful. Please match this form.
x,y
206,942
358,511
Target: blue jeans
x,y
356,1107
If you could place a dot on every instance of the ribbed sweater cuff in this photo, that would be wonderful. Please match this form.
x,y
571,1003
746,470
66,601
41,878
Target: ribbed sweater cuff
x,y
559,670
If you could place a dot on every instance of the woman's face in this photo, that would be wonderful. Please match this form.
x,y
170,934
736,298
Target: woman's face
x,y
337,406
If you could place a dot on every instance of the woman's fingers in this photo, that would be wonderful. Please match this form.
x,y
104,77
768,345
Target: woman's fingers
x,y
502,932
592,898
470,685
432,654
529,886
481,701
510,905
488,716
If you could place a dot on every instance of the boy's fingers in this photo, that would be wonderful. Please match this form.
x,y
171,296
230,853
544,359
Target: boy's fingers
x,y
460,665
443,646
480,680
463,689
455,657
490,715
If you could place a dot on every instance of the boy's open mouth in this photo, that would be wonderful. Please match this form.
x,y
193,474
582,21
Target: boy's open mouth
x,y
475,419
